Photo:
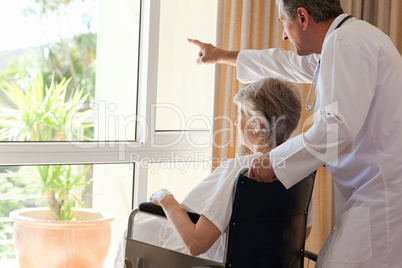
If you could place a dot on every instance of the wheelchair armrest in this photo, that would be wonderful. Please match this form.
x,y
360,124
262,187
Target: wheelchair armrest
x,y
151,208
157,210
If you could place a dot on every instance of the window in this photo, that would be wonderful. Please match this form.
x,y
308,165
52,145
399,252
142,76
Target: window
x,y
145,122
184,89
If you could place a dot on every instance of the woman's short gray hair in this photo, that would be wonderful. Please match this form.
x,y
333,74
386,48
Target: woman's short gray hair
x,y
320,10
276,103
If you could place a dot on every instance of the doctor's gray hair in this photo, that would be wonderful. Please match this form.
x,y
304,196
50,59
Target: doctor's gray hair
x,y
276,104
320,10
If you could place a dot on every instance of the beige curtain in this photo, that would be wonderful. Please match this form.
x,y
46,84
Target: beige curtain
x,y
254,24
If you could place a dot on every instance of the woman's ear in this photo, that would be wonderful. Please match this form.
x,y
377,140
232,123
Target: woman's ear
x,y
257,125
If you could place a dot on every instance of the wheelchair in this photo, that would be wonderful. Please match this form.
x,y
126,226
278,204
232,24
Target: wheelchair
x,y
267,229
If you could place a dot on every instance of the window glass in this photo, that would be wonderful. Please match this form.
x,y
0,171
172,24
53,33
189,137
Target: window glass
x,y
104,188
117,70
47,69
185,89
58,76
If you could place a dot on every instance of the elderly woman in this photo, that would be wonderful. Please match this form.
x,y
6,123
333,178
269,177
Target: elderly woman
x,y
268,112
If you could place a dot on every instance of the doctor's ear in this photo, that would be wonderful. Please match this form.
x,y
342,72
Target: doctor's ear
x,y
304,17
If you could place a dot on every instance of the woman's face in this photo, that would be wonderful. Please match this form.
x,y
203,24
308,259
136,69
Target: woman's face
x,y
245,128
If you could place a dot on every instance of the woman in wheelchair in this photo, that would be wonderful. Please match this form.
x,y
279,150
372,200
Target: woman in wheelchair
x,y
268,112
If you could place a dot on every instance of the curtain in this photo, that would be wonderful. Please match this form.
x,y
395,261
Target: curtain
x,y
254,24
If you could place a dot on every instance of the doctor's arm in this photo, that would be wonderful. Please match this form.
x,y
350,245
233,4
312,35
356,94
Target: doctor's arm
x,y
209,54
253,65
197,238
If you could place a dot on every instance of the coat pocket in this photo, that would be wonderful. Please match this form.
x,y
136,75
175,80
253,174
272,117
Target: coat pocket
x,y
352,243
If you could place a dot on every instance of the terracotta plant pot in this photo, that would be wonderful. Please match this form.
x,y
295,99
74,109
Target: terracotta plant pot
x,y
41,243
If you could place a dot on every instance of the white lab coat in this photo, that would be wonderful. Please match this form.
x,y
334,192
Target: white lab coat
x,y
357,132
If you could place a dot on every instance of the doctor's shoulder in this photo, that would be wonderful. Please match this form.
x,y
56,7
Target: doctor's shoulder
x,y
361,35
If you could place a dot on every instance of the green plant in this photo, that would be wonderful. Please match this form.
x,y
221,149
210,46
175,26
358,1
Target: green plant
x,y
61,187
42,112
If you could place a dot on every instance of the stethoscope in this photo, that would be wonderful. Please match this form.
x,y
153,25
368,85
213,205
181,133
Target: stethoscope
x,y
317,71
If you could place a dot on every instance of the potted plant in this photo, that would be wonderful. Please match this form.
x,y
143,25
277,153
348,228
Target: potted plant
x,y
61,234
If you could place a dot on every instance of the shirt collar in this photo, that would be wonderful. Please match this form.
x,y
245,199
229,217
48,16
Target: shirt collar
x,y
333,26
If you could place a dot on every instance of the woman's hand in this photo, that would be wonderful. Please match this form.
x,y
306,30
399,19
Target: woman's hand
x,y
159,196
197,238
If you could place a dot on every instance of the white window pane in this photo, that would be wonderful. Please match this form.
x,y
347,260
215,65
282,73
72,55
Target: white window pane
x,y
185,89
117,67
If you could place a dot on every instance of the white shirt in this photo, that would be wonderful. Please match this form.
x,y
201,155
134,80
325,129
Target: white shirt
x,y
357,132
212,198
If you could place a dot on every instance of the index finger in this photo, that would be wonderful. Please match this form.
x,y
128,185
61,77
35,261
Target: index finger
x,y
195,42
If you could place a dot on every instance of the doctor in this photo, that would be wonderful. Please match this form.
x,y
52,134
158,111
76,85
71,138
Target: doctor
x,y
357,129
